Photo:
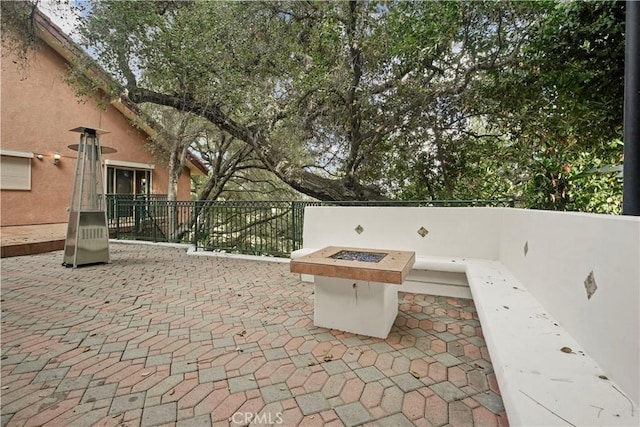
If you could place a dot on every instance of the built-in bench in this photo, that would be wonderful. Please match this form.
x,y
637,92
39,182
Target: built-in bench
x,y
545,376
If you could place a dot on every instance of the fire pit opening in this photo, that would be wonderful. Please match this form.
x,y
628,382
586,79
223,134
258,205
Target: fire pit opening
x,y
359,256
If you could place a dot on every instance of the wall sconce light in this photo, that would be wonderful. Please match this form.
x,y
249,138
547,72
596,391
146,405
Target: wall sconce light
x,y
56,158
39,156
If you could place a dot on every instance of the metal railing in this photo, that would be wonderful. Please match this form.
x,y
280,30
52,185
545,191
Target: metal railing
x,y
146,217
269,228
249,227
116,203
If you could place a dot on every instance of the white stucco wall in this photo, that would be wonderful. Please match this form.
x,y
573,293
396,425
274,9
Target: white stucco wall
x,y
456,232
563,248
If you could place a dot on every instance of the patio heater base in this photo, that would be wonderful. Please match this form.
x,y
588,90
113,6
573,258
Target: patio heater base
x,y
89,244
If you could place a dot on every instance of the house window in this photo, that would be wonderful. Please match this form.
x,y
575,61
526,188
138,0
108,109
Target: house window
x,y
15,170
128,181
128,177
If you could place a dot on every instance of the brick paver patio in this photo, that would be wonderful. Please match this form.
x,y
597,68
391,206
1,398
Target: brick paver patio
x,y
162,338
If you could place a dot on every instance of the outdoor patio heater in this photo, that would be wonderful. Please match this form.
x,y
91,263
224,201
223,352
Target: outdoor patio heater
x,y
87,232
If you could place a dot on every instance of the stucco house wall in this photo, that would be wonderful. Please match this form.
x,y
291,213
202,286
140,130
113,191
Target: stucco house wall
x,y
37,111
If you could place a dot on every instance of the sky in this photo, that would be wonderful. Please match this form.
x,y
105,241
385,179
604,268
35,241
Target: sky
x,y
62,13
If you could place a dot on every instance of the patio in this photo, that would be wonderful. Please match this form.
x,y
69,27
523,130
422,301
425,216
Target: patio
x,y
159,337
32,239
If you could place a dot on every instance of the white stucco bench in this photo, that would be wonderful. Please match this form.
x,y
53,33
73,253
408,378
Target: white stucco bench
x,y
545,376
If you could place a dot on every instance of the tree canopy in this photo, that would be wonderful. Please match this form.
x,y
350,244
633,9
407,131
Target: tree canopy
x,y
320,91
373,100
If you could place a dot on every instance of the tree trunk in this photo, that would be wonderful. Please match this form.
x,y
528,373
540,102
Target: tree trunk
x,y
270,155
172,195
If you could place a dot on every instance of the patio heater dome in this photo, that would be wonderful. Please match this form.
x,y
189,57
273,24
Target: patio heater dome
x,y
87,239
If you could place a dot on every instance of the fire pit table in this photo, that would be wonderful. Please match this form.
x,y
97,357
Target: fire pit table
x,y
355,288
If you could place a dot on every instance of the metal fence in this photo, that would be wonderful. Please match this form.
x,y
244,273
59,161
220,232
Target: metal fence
x,y
271,228
251,227
151,220
118,206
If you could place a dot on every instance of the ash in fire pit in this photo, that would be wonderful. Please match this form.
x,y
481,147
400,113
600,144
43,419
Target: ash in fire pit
x,y
359,256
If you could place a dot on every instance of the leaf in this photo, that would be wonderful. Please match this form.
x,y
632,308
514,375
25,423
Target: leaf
x,y
415,374
328,357
599,171
566,350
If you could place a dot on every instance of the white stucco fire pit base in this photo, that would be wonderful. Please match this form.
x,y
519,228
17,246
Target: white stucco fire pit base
x,y
359,307
356,289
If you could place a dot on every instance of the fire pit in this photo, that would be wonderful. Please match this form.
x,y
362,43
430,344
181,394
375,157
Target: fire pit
x,y
372,265
359,256
355,288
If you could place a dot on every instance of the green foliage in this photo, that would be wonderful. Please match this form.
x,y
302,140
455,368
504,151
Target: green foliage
x,y
352,100
564,181
19,34
322,91
579,58
564,101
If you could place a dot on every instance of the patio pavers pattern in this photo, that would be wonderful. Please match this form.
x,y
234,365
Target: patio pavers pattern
x,y
162,338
